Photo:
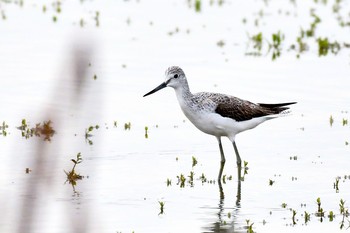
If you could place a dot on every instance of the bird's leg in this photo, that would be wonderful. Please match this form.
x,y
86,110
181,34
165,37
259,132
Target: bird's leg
x,y
239,161
223,160
239,178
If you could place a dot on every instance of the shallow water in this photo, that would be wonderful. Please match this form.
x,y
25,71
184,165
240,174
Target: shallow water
x,y
125,174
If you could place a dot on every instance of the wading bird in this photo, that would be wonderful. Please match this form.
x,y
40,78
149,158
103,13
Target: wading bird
x,y
218,114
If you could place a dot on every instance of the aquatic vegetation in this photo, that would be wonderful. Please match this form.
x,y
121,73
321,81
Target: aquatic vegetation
x,y
324,45
203,178
331,216
331,120
277,39
146,132
44,129
284,205
168,182
336,184
194,161
97,18
249,226
224,179
161,206
311,31
127,126
320,213
271,182
344,121
220,43
190,181
72,175
28,170
3,129
306,217
257,41
294,217
181,180
197,5
245,170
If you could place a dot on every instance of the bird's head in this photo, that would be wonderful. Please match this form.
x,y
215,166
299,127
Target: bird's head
x,y
174,77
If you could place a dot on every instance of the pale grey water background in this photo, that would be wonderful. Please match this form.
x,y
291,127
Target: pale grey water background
x,y
126,172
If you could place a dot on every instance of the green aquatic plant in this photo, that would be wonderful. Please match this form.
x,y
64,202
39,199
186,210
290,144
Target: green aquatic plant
x,y
89,130
271,182
336,184
257,41
43,129
318,201
168,182
115,124
249,226
190,181
306,217
331,120
345,121
194,161
181,180
197,5
284,205
3,129
311,31
277,39
301,45
224,179
72,175
203,178
97,18
146,132
331,216
127,126
294,217
161,206
342,206
324,46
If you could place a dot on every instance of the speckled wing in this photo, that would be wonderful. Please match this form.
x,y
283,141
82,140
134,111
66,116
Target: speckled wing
x,y
238,109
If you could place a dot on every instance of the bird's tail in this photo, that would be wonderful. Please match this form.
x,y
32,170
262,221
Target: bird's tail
x,y
277,108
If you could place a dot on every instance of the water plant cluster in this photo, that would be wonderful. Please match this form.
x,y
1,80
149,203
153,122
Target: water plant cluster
x,y
72,175
262,43
342,214
183,180
42,129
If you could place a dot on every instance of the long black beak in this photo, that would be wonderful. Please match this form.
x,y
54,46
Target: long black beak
x,y
161,86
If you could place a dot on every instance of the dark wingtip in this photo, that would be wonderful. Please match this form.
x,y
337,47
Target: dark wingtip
x,y
276,105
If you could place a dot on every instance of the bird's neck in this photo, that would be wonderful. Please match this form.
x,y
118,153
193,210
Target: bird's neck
x,y
183,92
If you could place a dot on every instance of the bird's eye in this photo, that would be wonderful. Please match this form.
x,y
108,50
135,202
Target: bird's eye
x,y
176,76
